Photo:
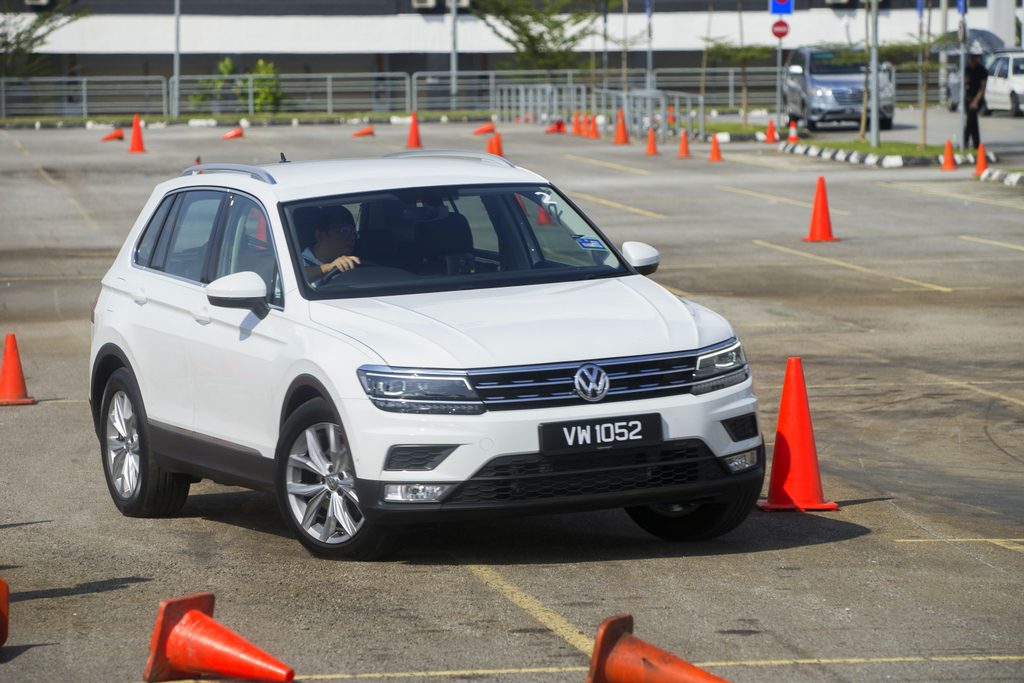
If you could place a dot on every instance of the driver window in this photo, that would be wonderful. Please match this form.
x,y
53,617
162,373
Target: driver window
x,y
246,245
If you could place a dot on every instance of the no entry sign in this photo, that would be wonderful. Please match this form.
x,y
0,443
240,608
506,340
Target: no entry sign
x,y
780,29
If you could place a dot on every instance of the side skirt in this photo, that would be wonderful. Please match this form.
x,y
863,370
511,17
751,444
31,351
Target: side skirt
x,y
180,450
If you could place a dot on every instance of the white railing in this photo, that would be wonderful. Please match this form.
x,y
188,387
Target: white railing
x,y
83,97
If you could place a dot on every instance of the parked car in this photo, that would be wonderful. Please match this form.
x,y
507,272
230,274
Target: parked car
x,y
1004,90
827,84
492,353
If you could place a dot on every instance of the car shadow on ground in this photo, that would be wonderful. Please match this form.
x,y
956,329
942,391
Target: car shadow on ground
x,y
611,535
9,652
85,588
250,510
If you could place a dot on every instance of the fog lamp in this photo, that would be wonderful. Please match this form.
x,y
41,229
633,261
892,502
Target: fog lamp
x,y
740,461
414,493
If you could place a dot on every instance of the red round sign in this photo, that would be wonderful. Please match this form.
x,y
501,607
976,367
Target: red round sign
x,y
780,29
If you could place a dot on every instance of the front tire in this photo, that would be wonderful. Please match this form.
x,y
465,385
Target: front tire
x,y
138,486
1014,104
315,485
696,521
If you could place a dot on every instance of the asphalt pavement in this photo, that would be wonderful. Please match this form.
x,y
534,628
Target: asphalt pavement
x,y
910,329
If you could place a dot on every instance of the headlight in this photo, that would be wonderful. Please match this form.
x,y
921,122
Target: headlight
x,y
823,93
408,391
723,368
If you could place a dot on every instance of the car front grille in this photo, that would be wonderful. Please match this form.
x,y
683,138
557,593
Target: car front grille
x,y
631,378
527,477
848,96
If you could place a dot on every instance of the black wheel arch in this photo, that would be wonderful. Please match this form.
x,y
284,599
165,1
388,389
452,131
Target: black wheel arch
x,y
109,359
305,388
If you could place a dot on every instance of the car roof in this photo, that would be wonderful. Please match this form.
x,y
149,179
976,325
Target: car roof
x,y
305,179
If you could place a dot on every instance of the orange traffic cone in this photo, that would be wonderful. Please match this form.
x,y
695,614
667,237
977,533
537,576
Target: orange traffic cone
x,y
821,222
577,129
684,145
982,164
671,115
13,391
594,133
485,129
652,143
364,132
795,482
948,162
116,134
543,217
716,152
136,146
414,134
5,610
769,136
793,137
557,127
498,148
187,642
621,136
619,657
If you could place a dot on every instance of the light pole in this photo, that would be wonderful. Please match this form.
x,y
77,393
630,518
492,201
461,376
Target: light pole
x,y
650,45
176,91
453,64
874,74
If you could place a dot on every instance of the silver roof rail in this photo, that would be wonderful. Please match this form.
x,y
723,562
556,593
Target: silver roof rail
x,y
251,171
450,153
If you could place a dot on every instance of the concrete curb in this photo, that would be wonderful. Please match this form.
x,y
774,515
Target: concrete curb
x,y
160,122
994,175
880,161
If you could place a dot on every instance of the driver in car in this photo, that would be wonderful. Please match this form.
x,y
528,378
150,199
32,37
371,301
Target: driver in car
x,y
334,242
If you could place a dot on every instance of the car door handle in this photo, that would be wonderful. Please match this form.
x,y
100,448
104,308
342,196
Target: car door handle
x,y
139,296
202,316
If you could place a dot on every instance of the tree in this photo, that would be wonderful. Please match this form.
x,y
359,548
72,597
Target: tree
x,y
543,35
721,51
22,33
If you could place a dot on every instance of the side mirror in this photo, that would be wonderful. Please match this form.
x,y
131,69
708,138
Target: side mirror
x,y
643,257
796,70
239,290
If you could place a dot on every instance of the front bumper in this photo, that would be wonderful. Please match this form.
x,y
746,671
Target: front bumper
x,y
821,113
674,472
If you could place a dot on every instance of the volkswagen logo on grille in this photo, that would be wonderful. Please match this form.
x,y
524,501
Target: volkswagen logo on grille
x,y
591,382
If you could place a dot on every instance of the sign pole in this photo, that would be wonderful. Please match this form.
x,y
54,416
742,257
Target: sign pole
x,y
962,7
875,141
778,85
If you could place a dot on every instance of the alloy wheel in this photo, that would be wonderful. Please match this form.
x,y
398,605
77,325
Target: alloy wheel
x,y
123,445
320,485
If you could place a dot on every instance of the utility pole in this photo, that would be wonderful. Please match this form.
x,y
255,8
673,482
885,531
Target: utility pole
x,y
453,64
625,45
176,93
874,74
961,6
650,45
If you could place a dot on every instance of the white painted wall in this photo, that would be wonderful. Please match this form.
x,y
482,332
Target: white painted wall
x,y
405,33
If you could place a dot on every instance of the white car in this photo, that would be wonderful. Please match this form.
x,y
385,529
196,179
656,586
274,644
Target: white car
x,y
1004,89
491,353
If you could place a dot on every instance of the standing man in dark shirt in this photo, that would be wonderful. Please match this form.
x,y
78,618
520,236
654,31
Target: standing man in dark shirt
x,y
975,78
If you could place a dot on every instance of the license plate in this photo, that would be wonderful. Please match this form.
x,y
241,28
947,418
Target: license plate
x,y
602,434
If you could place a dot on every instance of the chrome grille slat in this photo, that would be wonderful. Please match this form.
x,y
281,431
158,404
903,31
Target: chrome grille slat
x,y
630,378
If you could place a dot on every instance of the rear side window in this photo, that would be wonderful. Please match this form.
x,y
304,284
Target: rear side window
x,y
183,249
144,250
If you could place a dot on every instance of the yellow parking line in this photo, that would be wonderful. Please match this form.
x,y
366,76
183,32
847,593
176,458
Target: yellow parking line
x,y
553,621
853,266
1007,245
608,164
617,205
949,194
474,673
865,660
1015,544
979,390
70,197
776,198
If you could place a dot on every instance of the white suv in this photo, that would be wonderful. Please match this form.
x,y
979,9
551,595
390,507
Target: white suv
x,y
482,349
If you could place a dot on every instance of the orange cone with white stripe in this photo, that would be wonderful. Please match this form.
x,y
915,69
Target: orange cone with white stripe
x,y
793,137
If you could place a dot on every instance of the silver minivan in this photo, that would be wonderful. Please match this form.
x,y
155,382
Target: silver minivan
x,y
827,84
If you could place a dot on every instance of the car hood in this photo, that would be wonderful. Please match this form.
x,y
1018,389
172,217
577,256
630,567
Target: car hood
x,y
607,318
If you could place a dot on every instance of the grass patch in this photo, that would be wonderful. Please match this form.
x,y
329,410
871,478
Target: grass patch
x,y
909,149
732,128
1019,169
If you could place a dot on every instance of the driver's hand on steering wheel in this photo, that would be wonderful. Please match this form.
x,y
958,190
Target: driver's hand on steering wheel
x,y
342,263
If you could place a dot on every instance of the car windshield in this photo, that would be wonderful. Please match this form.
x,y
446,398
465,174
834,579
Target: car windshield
x,y
443,238
837,62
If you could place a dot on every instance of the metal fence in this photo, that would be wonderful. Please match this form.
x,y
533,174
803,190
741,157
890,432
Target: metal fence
x,y
339,93
74,97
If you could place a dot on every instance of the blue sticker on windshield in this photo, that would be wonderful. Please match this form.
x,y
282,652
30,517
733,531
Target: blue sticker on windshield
x,y
590,243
